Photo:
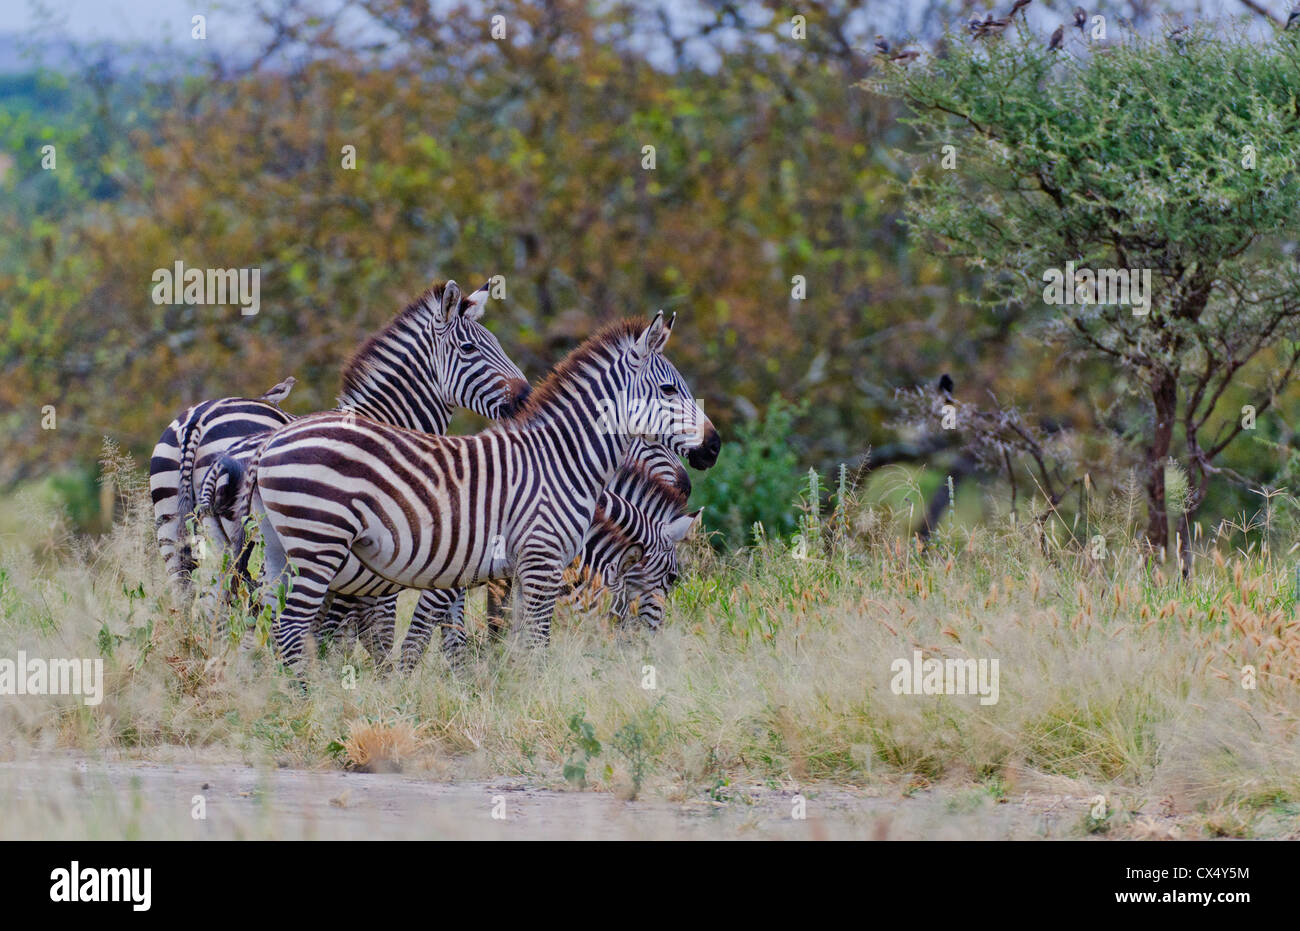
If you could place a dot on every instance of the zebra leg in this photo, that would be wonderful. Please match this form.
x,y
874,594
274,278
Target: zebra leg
x,y
377,628
498,608
437,607
539,586
336,612
306,576
453,630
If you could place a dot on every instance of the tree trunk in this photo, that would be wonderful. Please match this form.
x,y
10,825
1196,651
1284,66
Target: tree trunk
x,y
1185,544
939,502
1164,401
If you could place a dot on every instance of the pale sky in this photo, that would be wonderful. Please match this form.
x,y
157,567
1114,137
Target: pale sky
x,y
120,20
160,21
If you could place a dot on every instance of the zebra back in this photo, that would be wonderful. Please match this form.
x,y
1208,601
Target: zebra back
x,y
189,444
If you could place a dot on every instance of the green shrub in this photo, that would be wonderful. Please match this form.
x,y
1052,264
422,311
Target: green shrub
x,y
757,479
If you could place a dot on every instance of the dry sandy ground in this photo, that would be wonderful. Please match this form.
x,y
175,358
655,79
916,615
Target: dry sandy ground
x,y
71,798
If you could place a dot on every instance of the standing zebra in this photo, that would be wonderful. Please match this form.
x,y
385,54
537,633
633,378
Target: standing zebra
x,y
433,357
348,505
182,447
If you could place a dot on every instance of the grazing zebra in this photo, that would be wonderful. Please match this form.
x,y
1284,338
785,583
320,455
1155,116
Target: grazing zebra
x,y
349,505
433,357
661,464
630,549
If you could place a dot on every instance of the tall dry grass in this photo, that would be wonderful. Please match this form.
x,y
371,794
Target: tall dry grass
x,y
1116,678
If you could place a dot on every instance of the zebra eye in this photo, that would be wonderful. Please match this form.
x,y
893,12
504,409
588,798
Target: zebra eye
x,y
468,348
668,388
672,578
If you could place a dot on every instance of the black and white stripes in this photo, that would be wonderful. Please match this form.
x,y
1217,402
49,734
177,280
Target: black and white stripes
x,y
433,357
629,553
353,506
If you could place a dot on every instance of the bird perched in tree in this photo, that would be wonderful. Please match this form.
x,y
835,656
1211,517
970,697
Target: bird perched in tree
x,y
1058,38
1018,6
945,384
988,26
906,57
882,45
1080,17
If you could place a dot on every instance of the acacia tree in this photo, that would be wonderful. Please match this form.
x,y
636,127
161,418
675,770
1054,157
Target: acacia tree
x,y
1170,155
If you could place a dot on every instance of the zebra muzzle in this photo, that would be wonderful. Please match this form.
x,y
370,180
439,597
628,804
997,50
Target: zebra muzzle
x,y
705,456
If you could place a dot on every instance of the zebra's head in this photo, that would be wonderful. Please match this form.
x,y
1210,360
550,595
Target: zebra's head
x,y
470,367
648,571
660,405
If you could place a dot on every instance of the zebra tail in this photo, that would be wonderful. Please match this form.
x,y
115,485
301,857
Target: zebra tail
x,y
244,478
221,503
189,445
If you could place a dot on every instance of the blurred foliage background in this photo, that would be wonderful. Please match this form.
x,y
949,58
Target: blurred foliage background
x,y
523,158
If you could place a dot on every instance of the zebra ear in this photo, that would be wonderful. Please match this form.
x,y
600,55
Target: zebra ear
x,y
474,304
655,336
679,528
450,301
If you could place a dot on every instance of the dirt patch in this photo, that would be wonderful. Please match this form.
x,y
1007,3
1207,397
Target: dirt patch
x,y
69,797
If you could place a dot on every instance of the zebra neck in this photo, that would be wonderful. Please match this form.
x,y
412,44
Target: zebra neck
x,y
400,408
391,378
573,430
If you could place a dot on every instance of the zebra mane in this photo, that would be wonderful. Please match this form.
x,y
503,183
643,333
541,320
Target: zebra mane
x,y
663,497
654,497
393,339
368,359
617,336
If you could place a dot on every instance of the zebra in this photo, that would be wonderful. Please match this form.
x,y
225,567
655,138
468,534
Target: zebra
x,y
433,356
660,463
222,422
350,505
629,550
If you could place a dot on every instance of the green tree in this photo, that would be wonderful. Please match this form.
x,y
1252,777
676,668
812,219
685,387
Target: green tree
x,y
1174,155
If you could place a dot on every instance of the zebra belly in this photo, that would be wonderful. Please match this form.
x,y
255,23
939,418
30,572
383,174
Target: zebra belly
x,y
371,569
356,578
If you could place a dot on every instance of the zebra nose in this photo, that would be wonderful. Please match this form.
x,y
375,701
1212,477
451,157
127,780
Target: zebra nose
x,y
705,455
518,391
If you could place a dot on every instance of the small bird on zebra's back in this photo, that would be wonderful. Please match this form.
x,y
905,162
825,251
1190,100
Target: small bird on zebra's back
x,y
280,391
